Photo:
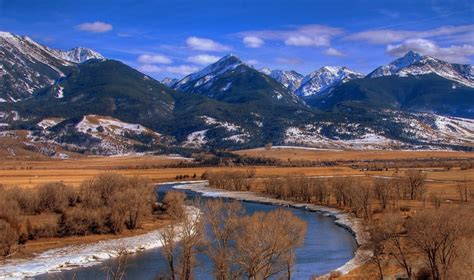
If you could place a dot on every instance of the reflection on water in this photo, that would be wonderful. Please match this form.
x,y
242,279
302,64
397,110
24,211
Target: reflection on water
x,y
326,247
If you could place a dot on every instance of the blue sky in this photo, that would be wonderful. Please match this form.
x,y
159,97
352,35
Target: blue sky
x,y
173,38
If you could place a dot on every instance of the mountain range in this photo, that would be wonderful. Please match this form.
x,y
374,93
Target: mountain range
x,y
80,102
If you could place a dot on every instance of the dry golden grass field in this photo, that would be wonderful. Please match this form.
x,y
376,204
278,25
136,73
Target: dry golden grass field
x,y
30,172
334,155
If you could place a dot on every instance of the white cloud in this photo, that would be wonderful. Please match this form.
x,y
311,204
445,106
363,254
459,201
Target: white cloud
x,y
154,59
305,41
149,68
333,52
290,61
386,36
455,54
252,62
180,69
203,44
203,59
94,27
252,42
301,36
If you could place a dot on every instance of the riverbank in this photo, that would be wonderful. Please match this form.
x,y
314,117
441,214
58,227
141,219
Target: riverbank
x,y
80,255
341,218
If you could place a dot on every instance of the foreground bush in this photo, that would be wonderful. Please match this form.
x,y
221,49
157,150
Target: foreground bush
x,y
107,203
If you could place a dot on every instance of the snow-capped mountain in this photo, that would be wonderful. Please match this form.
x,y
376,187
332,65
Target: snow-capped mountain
x,y
230,80
169,82
413,63
77,55
205,77
26,66
324,79
289,79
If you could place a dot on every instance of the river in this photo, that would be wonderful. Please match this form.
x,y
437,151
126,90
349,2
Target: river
x,y
326,247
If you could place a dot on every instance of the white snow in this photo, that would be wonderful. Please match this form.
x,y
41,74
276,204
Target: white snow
x,y
49,122
310,136
325,78
413,63
227,86
60,93
196,139
90,124
227,125
207,75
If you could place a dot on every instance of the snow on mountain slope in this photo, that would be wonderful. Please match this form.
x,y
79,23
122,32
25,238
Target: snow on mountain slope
x,y
206,76
289,79
413,63
26,66
169,82
310,135
96,125
426,130
115,136
324,79
77,55
49,122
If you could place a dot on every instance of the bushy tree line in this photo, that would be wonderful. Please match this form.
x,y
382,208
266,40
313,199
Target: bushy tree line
x,y
107,203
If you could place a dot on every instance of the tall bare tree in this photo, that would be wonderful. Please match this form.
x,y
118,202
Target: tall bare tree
x,y
224,222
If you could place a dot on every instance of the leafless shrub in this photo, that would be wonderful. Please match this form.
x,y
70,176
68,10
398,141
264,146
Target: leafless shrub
x,y
56,197
8,239
174,204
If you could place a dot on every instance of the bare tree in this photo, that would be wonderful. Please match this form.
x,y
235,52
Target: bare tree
x,y
463,190
393,229
118,271
383,190
266,242
181,238
415,183
436,235
224,222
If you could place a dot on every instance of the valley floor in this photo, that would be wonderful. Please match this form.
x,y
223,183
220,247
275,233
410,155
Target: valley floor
x,y
440,180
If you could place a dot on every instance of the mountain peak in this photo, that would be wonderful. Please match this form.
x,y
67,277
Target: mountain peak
x,y
325,78
413,63
78,54
290,79
205,76
229,58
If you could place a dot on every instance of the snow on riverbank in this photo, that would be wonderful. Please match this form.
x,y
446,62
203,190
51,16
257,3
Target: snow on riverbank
x,y
349,222
82,255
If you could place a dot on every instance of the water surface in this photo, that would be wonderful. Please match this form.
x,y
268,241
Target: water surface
x,y
326,247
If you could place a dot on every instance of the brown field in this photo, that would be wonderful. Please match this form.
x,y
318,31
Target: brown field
x,y
29,173
331,155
